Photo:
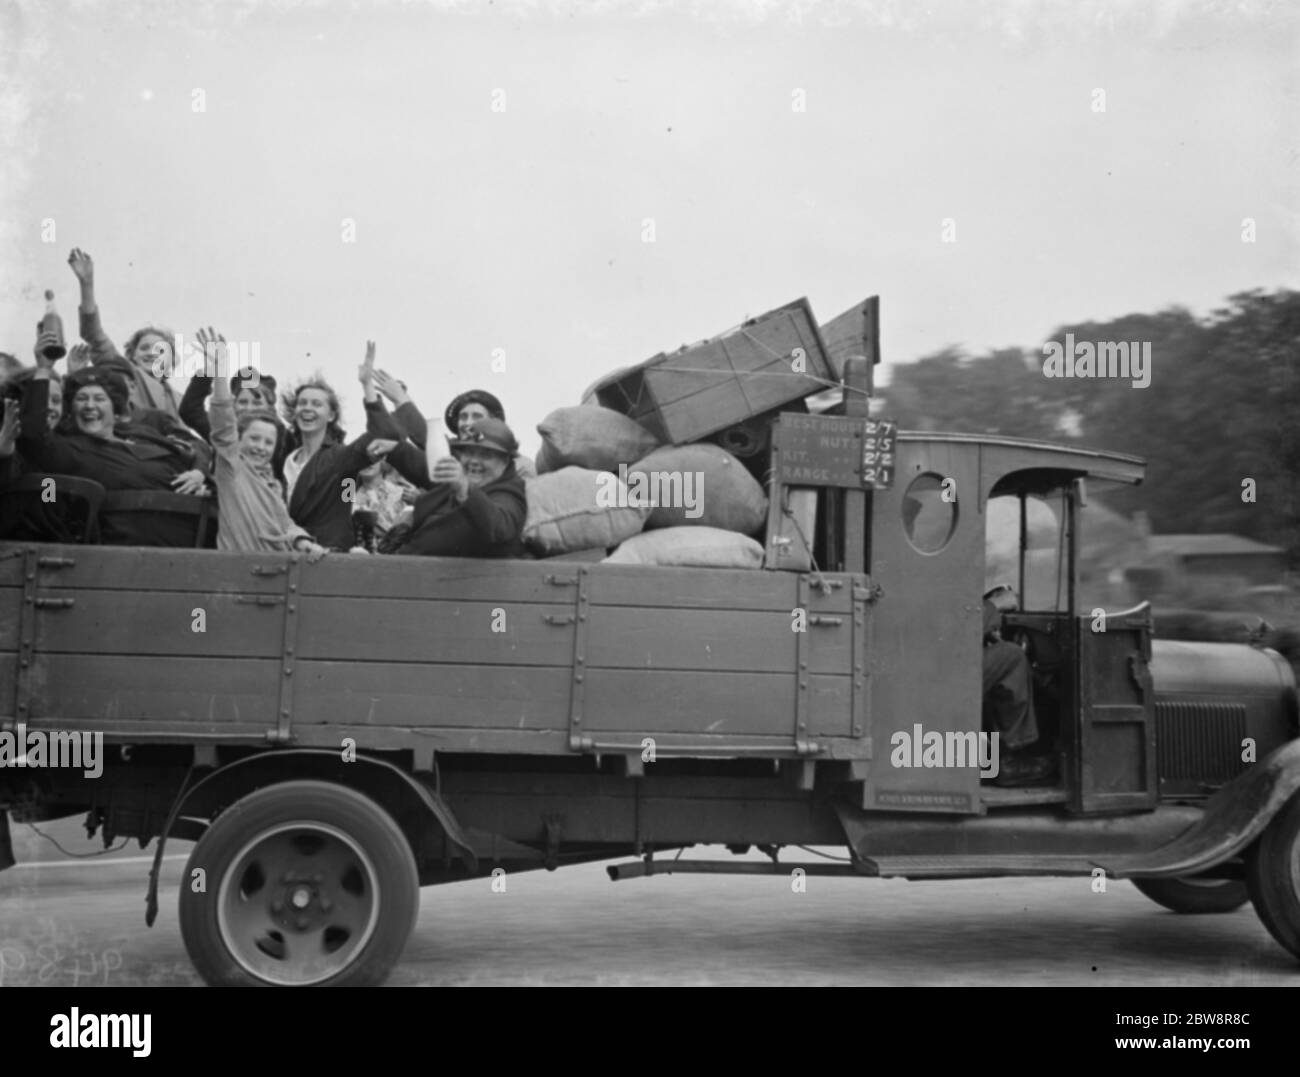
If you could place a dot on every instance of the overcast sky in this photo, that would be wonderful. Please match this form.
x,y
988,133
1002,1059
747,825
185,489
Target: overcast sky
x,y
523,229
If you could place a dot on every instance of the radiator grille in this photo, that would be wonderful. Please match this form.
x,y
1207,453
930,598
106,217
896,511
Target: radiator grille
x,y
1200,741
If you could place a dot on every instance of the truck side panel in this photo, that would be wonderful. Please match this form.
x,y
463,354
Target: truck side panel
x,y
452,654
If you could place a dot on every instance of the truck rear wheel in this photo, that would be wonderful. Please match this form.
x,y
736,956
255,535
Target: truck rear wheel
x,y
1191,895
306,883
1273,876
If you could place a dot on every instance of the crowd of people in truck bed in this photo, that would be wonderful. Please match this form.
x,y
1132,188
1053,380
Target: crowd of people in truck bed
x,y
286,480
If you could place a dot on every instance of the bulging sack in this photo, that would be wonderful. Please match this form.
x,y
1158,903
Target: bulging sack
x,y
698,486
592,437
690,547
577,509
542,462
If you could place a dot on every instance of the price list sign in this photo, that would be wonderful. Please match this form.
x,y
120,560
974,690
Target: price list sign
x,y
878,449
835,450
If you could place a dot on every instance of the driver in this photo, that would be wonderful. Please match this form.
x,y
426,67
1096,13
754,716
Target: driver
x,y
1008,707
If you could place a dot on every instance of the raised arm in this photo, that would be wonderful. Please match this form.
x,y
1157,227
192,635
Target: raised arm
x,y
102,349
224,430
192,409
406,416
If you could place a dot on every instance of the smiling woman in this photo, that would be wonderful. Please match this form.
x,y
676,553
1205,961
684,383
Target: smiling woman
x,y
250,500
88,445
476,506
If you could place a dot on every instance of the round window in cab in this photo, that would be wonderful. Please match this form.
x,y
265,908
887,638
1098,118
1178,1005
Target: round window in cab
x,y
930,512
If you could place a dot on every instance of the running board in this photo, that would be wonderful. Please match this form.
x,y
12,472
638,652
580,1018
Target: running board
x,y
976,867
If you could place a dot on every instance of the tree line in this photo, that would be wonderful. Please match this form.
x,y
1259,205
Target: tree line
x,y
1218,424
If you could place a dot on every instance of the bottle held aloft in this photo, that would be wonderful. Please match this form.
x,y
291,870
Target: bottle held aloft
x,y
49,332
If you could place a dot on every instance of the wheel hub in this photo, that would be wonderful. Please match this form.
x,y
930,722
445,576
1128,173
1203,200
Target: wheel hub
x,y
298,903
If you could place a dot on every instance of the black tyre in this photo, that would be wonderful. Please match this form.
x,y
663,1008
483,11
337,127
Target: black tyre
x,y
1193,896
1273,876
307,884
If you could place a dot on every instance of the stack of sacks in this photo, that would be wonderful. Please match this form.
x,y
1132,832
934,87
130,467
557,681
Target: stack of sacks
x,y
577,502
576,509
705,505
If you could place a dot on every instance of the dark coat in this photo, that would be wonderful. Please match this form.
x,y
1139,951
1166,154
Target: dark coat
x,y
408,457
148,461
488,524
318,503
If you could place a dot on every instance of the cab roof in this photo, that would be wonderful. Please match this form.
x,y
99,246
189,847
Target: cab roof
x,y
1003,455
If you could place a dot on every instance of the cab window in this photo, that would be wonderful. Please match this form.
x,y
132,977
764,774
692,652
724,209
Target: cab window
x,y
1027,546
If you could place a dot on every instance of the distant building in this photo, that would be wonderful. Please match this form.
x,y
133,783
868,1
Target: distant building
x,y
1200,556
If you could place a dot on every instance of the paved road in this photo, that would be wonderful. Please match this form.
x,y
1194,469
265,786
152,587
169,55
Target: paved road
x,y
82,922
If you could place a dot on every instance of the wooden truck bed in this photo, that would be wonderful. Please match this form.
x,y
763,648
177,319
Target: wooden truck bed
x,y
431,654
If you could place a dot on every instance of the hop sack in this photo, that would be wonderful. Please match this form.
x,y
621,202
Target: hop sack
x,y
698,486
691,547
592,437
577,509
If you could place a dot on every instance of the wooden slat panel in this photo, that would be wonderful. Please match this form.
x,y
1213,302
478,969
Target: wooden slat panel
x,y
8,682
234,693
699,588
852,335
124,568
11,564
380,693
11,598
154,623
645,586
714,640
830,706
637,701
392,630
766,348
457,578
696,416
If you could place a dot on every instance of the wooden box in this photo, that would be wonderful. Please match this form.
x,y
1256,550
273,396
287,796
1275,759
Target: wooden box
x,y
703,388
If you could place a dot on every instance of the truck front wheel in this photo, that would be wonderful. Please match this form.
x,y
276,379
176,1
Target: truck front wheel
x,y
304,883
1273,876
1192,895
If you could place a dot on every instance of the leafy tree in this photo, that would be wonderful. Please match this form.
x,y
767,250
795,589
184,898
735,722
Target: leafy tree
x,y
1222,406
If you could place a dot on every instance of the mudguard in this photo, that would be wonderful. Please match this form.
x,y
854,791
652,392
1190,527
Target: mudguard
x,y
1234,817
437,808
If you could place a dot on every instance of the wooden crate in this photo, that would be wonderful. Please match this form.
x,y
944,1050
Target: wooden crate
x,y
703,388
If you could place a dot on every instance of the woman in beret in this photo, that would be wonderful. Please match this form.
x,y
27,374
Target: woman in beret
x,y
95,440
477,404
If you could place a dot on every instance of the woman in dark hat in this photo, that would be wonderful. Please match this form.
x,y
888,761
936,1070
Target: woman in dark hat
x,y
476,505
469,408
477,404
91,443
